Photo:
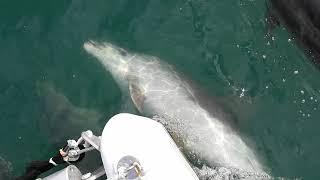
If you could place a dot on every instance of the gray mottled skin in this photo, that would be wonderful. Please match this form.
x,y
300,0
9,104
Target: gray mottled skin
x,y
157,89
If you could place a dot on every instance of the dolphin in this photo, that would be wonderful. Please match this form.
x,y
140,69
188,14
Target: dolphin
x,y
157,89
58,114
302,18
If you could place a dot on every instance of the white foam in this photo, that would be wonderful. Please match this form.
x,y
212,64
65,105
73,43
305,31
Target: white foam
x,y
223,173
5,169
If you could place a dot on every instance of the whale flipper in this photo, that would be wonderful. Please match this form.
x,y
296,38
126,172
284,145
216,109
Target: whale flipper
x,y
137,96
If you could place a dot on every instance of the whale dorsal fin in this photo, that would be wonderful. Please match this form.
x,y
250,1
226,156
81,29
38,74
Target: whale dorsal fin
x,y
137,96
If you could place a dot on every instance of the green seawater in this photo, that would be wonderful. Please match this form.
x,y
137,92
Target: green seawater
x,y
51,89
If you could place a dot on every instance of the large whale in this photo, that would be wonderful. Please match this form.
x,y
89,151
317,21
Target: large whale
x,y
157,89
302,18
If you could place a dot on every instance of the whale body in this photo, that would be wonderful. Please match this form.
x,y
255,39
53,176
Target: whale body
x,y
157,89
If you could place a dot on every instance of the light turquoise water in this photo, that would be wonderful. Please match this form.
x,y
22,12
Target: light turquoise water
x,y
49,85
